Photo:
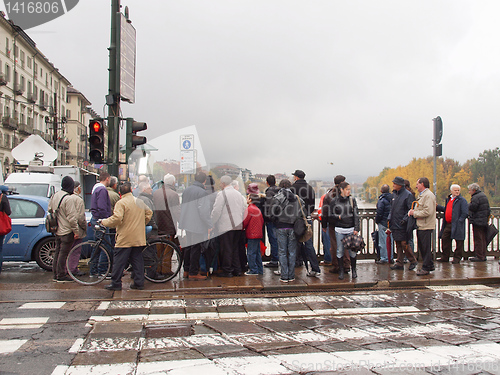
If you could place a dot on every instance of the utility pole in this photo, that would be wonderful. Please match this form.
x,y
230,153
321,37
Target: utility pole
x,y
113,97
54,124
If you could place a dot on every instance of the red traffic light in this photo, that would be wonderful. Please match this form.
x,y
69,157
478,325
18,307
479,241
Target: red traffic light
x,y
97,126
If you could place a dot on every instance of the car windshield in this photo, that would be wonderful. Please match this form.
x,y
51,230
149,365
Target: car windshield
x,y
40,190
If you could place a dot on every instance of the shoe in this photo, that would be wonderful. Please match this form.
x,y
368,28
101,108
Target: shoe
x,y
476,259
248,273
455,261
413,266
236,274
380,261
284,281
291,280
422,272
197,277
225,274
54,280
92,275
323,263
397,267
185,275
133,286
111,287
313,274
432,268
79,273
65,279
277,273
271,264
442,260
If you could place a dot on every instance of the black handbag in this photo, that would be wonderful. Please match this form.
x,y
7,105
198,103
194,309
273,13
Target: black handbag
x,y
301,228
491,232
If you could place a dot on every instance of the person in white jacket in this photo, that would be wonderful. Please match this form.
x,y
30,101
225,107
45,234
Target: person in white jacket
x,y
227,215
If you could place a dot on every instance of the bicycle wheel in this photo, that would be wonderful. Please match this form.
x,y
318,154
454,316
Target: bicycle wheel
x,y
87,272
162,261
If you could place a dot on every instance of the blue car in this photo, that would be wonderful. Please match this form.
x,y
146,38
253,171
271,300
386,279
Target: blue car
x,y
28,239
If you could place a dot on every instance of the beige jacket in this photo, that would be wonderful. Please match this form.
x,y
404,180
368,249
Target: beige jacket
x,y
425,213
67,218
129,218
220,213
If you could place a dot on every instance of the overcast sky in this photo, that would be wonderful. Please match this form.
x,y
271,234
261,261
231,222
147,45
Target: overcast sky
x,y
279,85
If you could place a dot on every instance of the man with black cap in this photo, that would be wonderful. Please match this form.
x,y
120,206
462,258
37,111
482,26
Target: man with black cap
x,y
67,229
401,204
305,191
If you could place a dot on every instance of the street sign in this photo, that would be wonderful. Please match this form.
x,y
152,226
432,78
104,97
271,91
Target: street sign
x,y
188,162
187,142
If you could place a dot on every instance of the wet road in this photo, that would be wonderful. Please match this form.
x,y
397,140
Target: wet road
x,y
438,330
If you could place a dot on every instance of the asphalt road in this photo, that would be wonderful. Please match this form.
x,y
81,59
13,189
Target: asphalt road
x,y
443,330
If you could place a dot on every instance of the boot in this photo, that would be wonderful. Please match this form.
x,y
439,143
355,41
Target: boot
x,y
353,268
341,268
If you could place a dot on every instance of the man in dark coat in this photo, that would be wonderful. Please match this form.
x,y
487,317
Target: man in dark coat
x,y
479,213
271,191
401,204
383,210
455,211
305,191
195,220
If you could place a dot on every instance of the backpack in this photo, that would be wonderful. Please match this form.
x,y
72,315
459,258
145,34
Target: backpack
x,y
51,223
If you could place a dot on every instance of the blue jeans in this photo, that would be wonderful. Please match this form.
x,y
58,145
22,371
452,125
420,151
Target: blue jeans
x,y
254,257
1,251
287,250
271,235
325,239
310,253
340,245
382,243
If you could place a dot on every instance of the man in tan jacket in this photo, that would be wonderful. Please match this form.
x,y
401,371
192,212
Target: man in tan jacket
x,y
425,213
129,218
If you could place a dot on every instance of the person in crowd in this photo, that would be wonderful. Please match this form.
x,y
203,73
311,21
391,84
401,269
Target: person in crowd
x,y
100,207
425,213
77,200
241,241
253,225
113,194
325,236
456,210
410,238
142,178
67,230
479,213
270,192
227,216
129,218
401,204
305,191
344,212
146,195
284,211
5,208
383,210
329,225
195,220
166,214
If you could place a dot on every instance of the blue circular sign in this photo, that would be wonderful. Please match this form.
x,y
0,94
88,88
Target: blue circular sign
x,y
186,144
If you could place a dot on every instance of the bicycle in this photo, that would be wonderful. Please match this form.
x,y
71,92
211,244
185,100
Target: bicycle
x,y
162,259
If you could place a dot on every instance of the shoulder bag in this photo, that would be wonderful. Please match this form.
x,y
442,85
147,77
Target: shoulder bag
x,y
51,223
301,227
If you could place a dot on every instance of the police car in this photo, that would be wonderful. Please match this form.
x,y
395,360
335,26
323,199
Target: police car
x,y
28,240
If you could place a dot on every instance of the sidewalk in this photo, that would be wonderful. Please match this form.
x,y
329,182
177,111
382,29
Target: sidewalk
x,y
28,282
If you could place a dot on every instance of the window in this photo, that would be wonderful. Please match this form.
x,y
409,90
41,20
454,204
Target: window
x,y
28,62
23,83
22,59
68,114
7,72
7,50
23,209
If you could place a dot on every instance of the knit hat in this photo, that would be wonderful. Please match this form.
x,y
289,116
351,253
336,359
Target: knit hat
x,y
253,188
399,181
67,184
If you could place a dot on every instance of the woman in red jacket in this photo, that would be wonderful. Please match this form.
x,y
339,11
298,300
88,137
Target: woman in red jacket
x,y
253,224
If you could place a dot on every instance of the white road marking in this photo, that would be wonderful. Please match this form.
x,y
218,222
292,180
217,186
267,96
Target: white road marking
x,y
22,323
42,305
10,346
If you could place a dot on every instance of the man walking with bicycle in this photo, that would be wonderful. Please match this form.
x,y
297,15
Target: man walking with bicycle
x,y
129,218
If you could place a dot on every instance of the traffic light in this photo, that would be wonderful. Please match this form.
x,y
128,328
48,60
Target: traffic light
x,y
96,140
438,135
133,140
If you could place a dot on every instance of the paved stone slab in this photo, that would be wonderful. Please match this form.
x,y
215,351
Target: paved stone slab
x,y
156,355
235,328
265,341
105,357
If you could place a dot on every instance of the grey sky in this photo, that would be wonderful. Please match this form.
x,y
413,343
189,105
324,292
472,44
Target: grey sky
x,y
278,85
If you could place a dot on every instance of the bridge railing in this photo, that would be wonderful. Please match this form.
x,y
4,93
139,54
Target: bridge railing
x,y
367,225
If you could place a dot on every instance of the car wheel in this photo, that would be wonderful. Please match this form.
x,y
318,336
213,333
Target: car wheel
x,y
44,253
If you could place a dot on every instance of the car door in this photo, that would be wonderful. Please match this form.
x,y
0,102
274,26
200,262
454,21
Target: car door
x,y
27,224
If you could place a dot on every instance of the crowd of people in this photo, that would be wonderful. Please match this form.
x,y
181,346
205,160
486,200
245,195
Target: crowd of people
x,y
224,231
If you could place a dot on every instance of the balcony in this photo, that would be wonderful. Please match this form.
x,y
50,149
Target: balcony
x,y
25,129
32,97
9,122
18,90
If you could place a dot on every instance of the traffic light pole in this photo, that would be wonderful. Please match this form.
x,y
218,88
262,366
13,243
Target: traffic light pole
x,y
113,98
